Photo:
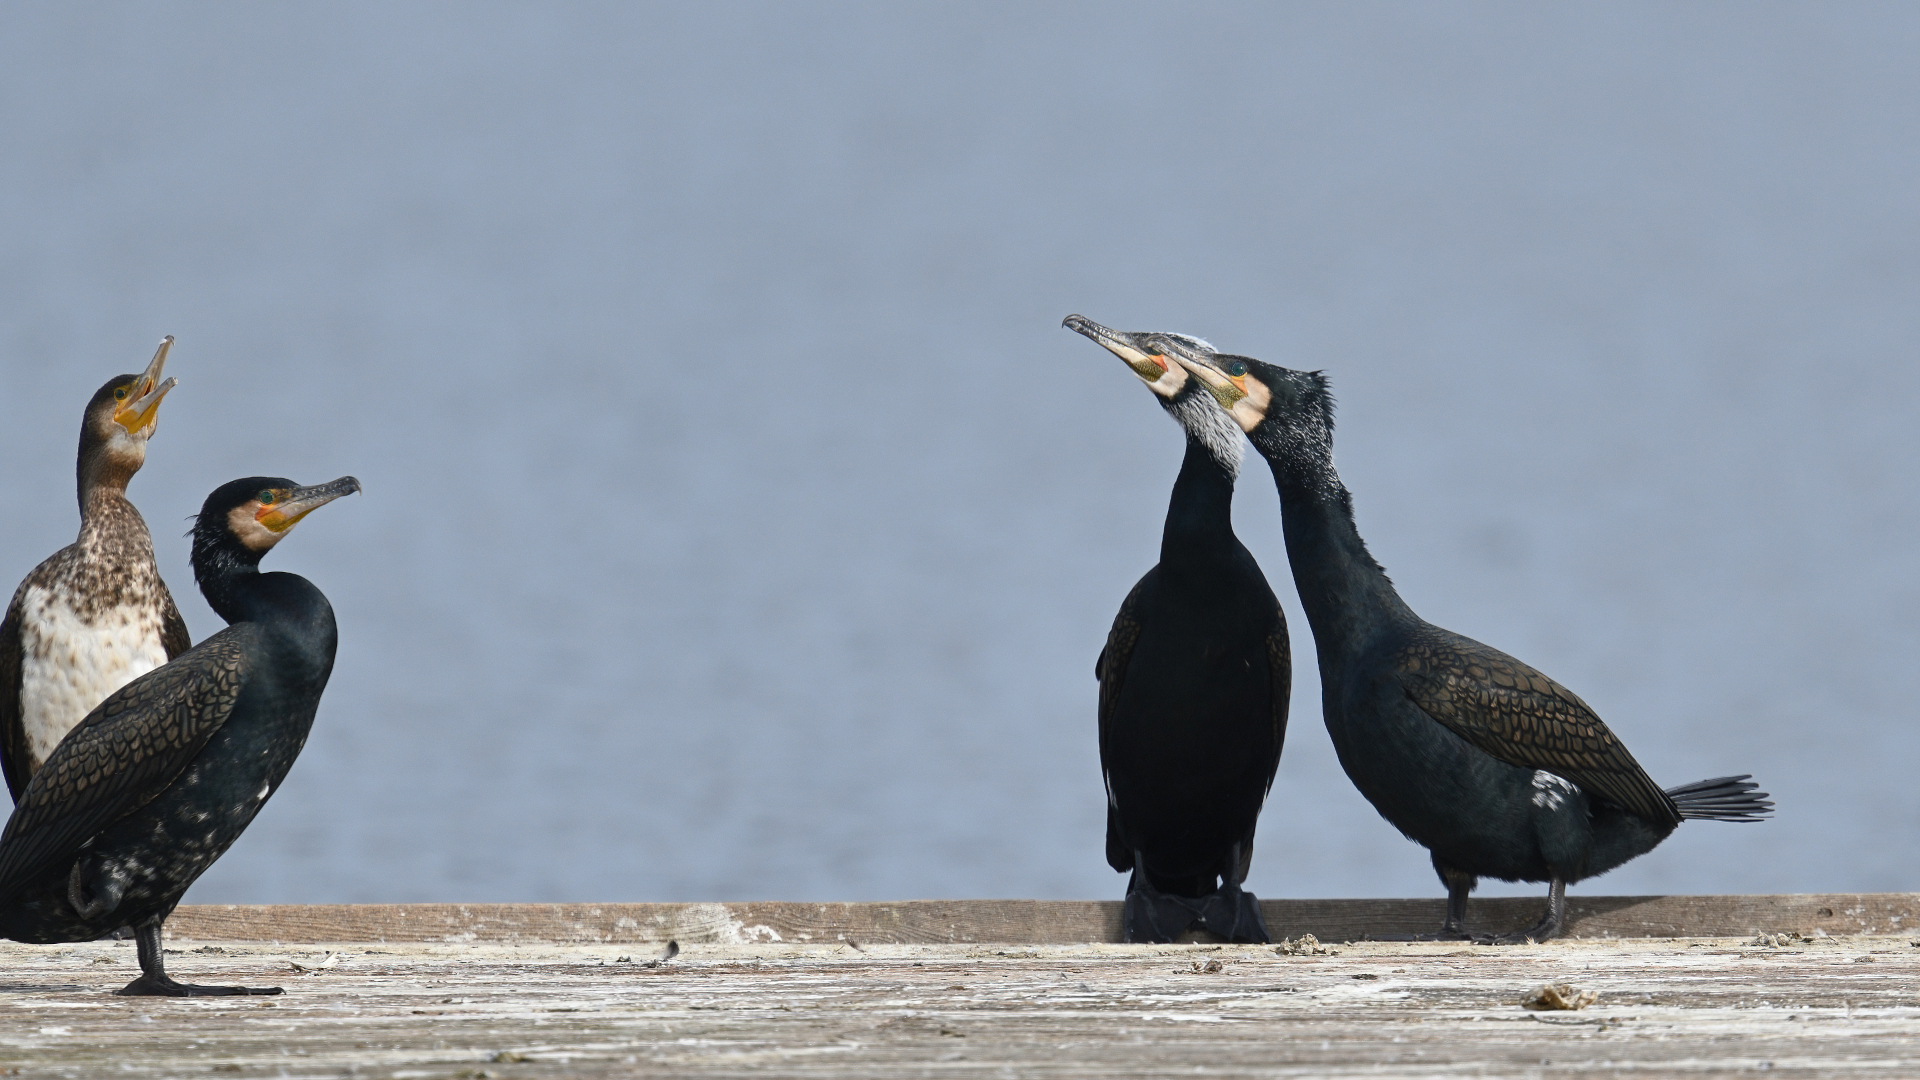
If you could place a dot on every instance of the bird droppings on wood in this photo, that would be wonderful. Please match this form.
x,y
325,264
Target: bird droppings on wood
x,y
467,1009
1304,945
308,969
1559,997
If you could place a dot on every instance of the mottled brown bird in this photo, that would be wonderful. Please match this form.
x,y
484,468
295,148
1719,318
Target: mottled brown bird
x,y
95,615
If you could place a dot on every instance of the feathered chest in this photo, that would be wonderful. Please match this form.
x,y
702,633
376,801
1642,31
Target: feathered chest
x,y
86,629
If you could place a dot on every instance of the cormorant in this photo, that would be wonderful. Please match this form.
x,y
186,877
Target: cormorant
x,y
1496,769
95,615
159,780
1194,683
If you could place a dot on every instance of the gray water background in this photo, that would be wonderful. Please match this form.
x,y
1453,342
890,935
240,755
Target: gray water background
x,y
739,523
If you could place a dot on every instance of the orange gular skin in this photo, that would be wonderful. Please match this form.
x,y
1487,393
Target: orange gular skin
x,y
140,408
274,517
140,420
289,505
1142,369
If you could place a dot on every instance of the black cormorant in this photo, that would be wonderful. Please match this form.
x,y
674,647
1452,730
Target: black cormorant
x,y
95,615
1496,769
1194,683
159,780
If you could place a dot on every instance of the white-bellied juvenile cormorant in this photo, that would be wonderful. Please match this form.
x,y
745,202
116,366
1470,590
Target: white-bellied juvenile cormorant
x,y
95,615
1496,769
1194,683
159,780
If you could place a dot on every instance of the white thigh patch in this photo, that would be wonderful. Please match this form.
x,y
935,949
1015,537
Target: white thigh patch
x,y
1550,792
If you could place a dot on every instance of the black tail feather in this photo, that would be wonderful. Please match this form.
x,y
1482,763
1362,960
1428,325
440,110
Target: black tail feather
x,y
1725,798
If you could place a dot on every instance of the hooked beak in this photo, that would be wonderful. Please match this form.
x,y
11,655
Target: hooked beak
x,y
1153,367
142,407
300,502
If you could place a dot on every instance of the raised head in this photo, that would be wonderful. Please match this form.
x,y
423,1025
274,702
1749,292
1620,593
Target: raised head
x,y
1151,355
120,418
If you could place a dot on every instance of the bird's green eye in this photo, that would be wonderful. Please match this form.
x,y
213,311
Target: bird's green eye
x,y
266,497
120,393
1236,369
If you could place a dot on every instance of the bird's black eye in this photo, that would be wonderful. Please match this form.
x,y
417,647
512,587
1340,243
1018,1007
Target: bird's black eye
x,y
120,393
266,497
1236,369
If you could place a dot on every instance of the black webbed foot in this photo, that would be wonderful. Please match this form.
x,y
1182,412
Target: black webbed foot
x,y
1154,917
148,986
1550,925
1150,917
155,982
1234,913
1533,935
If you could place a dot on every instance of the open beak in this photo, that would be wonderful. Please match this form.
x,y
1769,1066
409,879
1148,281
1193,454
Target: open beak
x,y
1151,366
142,406
301,501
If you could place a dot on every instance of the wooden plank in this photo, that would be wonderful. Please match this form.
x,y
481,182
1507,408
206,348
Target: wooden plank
x,y
1832,1007
1032,922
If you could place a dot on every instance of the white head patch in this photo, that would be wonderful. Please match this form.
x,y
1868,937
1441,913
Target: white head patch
x,y
255,536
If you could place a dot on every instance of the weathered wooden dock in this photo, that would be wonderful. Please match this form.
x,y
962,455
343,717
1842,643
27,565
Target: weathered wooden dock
x,y
1686,986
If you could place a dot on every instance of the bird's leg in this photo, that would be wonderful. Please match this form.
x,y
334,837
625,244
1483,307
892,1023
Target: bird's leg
x,y
1550,924
154,980
1232,912
1459,885
1150,915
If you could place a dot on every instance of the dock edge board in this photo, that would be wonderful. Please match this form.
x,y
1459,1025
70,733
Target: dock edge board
x,y
1021,922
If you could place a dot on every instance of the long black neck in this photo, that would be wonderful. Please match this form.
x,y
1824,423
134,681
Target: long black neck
x,y
288,607
1200,513
1344,592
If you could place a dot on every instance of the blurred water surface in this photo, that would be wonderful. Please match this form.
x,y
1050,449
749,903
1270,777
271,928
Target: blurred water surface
x,y
739,523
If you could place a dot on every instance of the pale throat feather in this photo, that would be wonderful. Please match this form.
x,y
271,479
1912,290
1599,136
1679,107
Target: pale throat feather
x,y
1203,418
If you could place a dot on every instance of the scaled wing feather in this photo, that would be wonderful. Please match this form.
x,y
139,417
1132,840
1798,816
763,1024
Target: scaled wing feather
x,y
1523,718
126,752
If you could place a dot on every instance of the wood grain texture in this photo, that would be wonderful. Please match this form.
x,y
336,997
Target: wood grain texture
x,y
1826,1008
1029,922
